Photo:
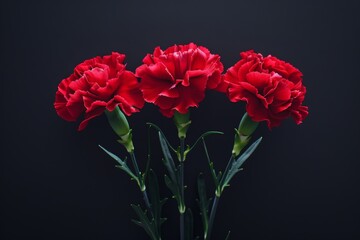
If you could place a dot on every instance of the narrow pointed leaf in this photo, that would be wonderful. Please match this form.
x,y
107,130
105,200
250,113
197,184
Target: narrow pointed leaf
x,y
156,203
174,190
211,165
128,171
168,160
160,131
122,164
236,165
203,136
162,220
189,225
203,203
228,236
144,222
116,158
147,168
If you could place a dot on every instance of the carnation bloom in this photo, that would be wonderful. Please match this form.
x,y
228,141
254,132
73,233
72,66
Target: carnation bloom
x,y
96,85
176,79
272,88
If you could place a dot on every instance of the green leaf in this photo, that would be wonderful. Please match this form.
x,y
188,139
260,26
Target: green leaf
x,y
159,130
147,168
168,160
144,222
122,164
236,165
189,225
222,180
174,188
228,236
202,137
203,203
216,178
156,203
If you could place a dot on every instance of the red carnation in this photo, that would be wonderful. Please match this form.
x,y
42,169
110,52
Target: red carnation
x,y
272,88
176,79
97,84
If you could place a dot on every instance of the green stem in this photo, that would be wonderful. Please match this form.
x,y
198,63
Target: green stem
x,y
182,226
147,202
141,182
181,169
220,188
137,171
212,217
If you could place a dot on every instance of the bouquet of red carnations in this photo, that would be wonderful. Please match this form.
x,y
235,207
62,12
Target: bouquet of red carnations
x,y
176,80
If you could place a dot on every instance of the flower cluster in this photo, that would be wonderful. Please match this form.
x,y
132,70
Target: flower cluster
x,y
175,80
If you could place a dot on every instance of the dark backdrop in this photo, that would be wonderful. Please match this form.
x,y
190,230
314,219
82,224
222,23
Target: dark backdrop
x,y
301,183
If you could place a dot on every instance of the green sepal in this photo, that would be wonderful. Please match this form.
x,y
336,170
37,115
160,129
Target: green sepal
x,y
120,125
242,134
247,126
118,121
182,123
126,141
240,141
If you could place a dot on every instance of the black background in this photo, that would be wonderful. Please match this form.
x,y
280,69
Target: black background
x,y
301,183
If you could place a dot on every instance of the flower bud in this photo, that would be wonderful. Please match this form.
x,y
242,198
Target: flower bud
x,y
182,122
242,135
120,125
247,126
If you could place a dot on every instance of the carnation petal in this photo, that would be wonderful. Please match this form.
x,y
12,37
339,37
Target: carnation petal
x,y
255,108
92,104
243,70
88,116
61,109
280,108
258,79
152,88
80,83
282,92
97,75
190,97
129,89
164,102
216,82
198,60
75,105
300,114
